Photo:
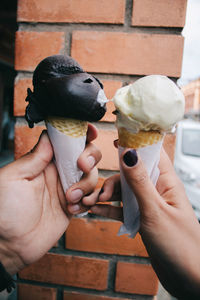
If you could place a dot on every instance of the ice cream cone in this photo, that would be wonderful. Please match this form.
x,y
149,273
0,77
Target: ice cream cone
x,y
70,127
63,95
148,145
68,137
150,107
138,140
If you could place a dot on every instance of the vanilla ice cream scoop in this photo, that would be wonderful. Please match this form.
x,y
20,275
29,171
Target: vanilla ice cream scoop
x,y
151,103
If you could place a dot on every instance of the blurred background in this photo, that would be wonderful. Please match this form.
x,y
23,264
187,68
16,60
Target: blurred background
x,y
187,155
8,27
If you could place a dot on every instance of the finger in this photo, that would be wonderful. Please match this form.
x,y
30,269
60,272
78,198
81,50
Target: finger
x,y
75,209
91,199
89,158
168,184
139,181
111,190
168,178
34,162
84,187
108,211
91,133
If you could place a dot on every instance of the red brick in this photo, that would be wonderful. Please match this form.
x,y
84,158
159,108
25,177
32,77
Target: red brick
x,y
32,47
69,270
101,236
33,292
81,296
26,138
136,279
20,93
140,54
161,13
104,142
110,87
75,11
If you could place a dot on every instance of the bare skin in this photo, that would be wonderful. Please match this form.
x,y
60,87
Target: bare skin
x,y
33,206
169,228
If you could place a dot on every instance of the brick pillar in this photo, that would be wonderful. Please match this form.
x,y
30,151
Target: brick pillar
x,y
119,41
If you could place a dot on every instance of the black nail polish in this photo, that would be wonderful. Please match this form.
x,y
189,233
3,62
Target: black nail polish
x,y
130,158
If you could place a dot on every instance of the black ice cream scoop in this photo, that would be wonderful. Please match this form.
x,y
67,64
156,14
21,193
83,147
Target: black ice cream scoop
x,y
62,89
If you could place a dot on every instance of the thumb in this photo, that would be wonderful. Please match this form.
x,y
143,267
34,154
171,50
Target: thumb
x,y
34,162
139,181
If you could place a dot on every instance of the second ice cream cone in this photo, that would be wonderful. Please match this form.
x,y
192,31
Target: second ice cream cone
x,y
151,107
138,140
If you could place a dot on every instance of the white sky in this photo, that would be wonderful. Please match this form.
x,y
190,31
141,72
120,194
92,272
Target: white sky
x,y
191,54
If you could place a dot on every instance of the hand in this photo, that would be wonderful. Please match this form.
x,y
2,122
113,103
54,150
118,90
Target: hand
x,y
33,207
81,190
169,228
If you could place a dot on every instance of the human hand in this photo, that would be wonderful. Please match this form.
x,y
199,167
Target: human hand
x,y
33,207
76,194
169,228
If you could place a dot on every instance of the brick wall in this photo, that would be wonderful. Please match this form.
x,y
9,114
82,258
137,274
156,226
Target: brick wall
x,y
119,41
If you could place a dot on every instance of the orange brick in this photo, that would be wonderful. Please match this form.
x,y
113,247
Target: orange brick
x,y
101,236
110,87
110,160
136,279
104,142
161,13
26,138
109,116
81,296
100,182
33,292
32,47
140,54
75,11
69,270
20,93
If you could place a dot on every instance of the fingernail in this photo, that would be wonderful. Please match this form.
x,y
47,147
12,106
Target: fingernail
x,y
130,158
91,161
76,195
75,208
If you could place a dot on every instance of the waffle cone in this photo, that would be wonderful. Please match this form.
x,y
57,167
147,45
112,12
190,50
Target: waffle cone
x,y
70,127
141,139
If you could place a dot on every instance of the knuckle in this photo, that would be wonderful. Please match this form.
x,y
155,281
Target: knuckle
x,y
140,178
96,152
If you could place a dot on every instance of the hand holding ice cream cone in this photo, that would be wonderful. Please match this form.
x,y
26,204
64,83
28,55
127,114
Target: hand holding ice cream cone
x,y
66,98
146,110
